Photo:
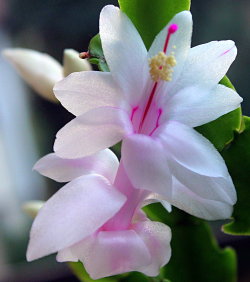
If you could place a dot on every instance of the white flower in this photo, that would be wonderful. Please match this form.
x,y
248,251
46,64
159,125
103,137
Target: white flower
x,y
154,112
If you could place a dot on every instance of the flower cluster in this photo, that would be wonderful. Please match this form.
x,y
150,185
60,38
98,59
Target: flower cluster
x,y
151,100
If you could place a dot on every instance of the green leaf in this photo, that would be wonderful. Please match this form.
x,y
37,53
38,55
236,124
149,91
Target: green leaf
x,y
96,53
150,16
195,253
221,131
237,157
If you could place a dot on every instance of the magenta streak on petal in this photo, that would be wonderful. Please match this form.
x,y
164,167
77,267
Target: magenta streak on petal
x,y
224,53
171,30
157,122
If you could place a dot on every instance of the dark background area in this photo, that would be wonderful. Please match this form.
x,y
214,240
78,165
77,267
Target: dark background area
x,y
53,25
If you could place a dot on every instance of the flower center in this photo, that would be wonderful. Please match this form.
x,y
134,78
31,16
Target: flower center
x,y
161,68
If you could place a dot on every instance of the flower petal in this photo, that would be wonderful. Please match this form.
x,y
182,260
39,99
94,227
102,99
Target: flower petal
x,y
195,106
124,51
207,64
39,70
195,162
185,199
83,91
91,132
146,164
156,237
73,213
179,42
104,163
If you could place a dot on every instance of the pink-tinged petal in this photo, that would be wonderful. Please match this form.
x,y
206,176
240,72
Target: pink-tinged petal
x,y
83,91
196,163
154,198
124,51
156,237
104,163
207,64
146,164
115,252
179,43
73,213
185,199
66,255
91,132
195,106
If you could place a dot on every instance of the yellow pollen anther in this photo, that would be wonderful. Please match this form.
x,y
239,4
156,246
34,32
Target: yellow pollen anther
x,y
161,66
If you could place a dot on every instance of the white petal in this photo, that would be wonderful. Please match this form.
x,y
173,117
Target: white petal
x,y
195,106
157,238
39,70
146,164
83,91
104,163
179,43
91,132
207,64
192,203
73,63
73,213
124,51
116,252
195,162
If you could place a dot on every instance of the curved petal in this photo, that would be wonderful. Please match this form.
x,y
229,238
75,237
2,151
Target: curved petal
x,y
185,199
156,237
207,64
195,106
39,70
91,132
104,163
73,213
146,164
124,51
191,150
115,252
179,43
83,91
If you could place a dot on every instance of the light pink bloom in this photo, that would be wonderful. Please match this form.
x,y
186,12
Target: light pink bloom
x,y
96,218
161,151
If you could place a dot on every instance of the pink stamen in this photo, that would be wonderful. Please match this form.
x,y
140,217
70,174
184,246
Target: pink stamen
x,y
133,112
157,121
171,30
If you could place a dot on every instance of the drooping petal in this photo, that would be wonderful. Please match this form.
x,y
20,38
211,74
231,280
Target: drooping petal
x,y
83,91
156,237
195,162
185,199
195,106
104,163
146,164
73,213
116,252
39,70
73,63
179,42
124,52
207,64
91,132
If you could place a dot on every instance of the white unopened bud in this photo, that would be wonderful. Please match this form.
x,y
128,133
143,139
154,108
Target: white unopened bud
x,y
31,208
39,70
73,63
